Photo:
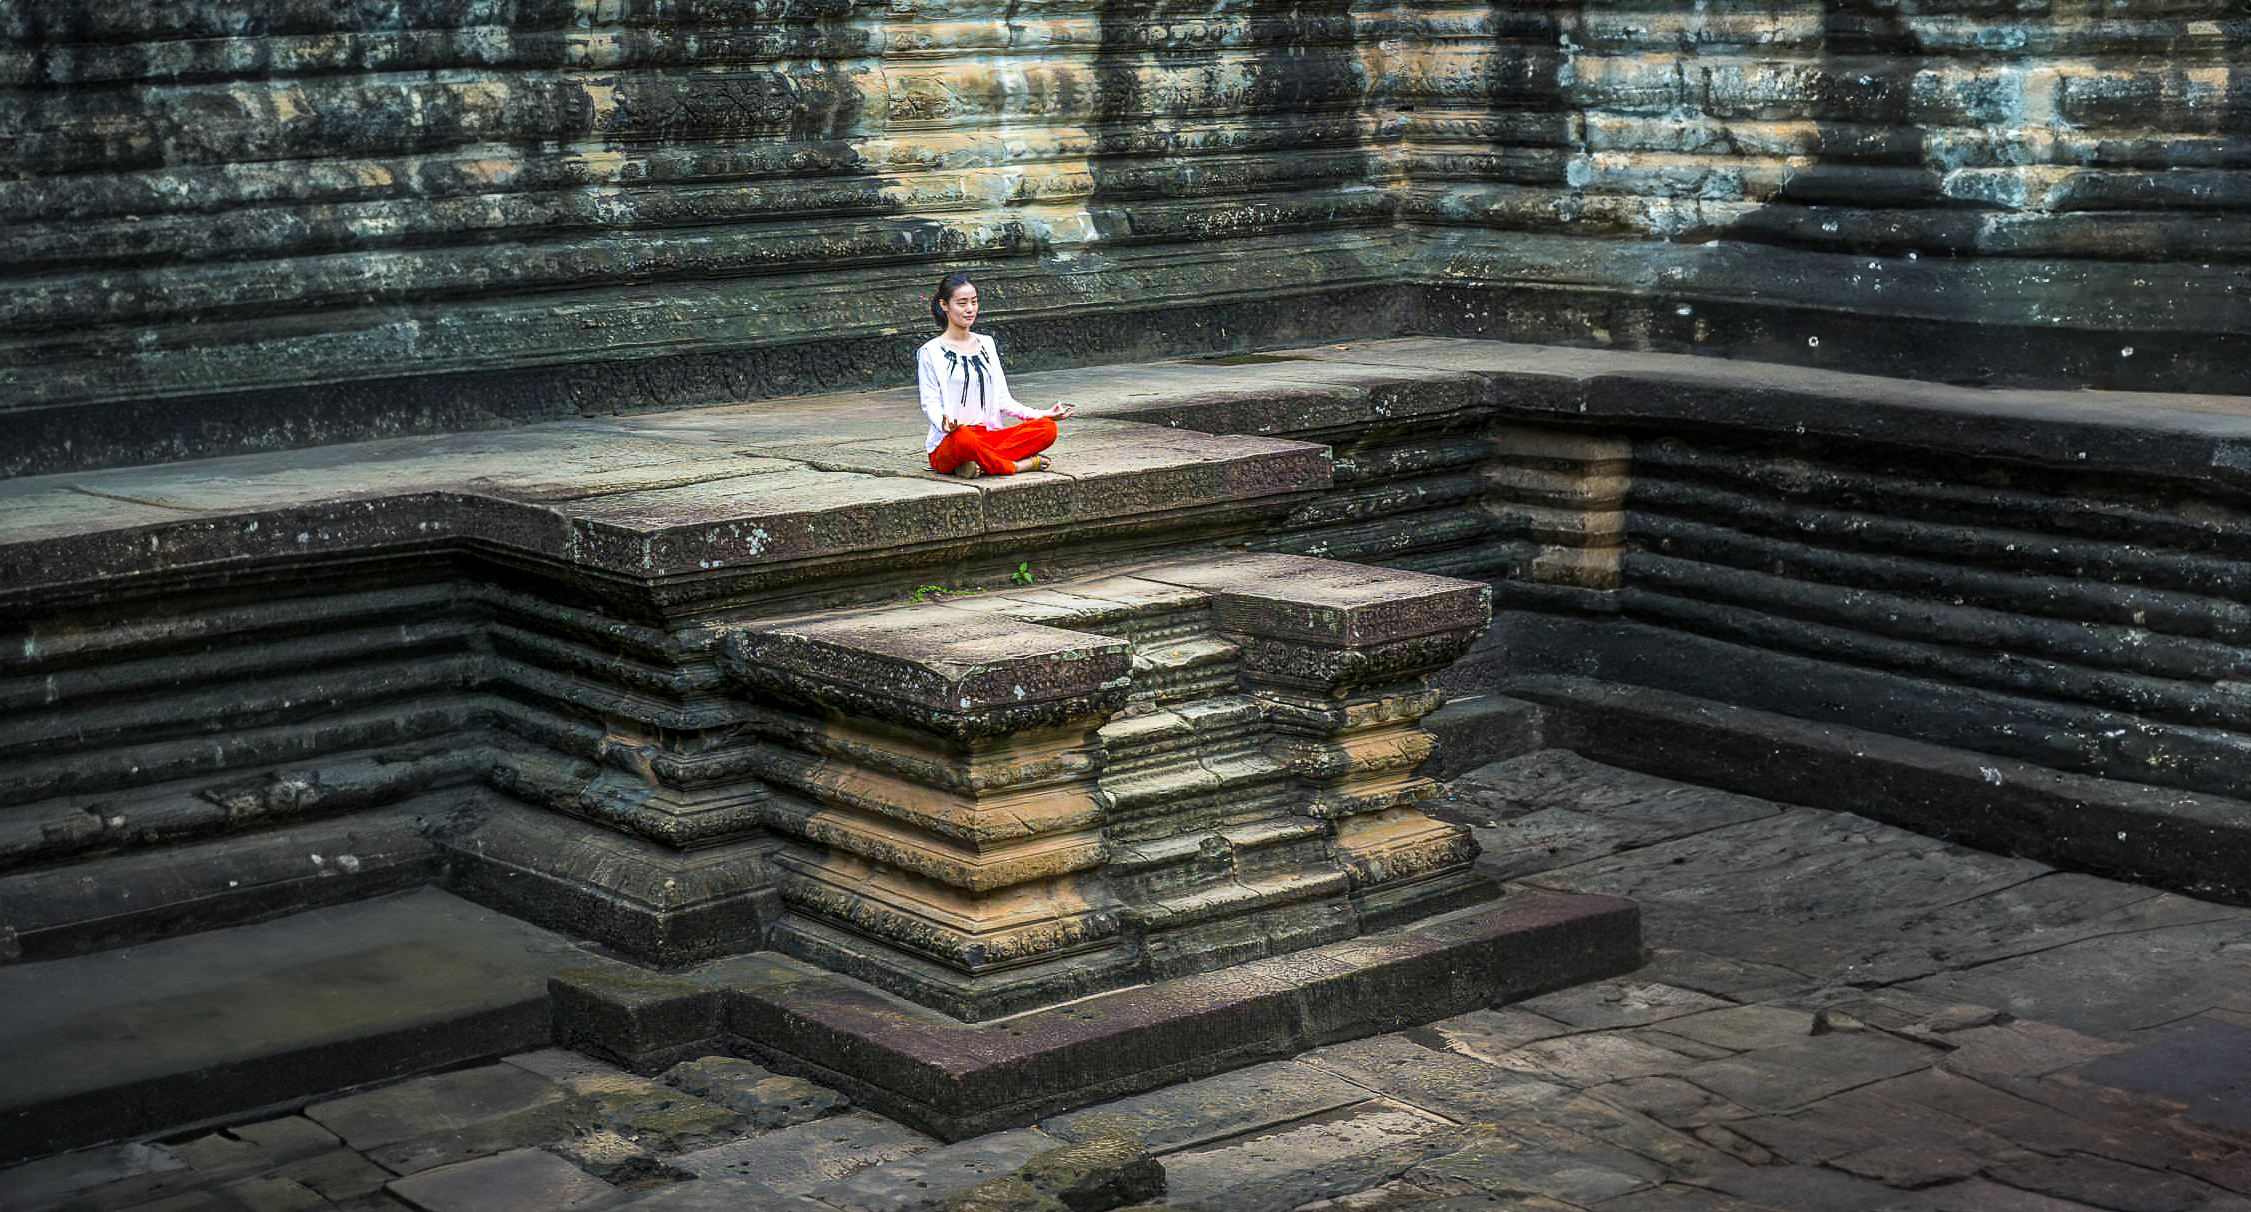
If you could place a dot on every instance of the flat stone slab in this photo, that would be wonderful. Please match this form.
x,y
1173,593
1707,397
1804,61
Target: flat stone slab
x,y
645,498
522,1180
434,1104
1313,1159
958,1080
1199,1112
124,1042
921,1179
794,1160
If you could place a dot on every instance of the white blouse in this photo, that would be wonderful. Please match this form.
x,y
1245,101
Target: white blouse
x,y
967,389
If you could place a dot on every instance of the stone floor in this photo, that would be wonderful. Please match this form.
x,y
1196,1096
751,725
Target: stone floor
x,y
1837,1016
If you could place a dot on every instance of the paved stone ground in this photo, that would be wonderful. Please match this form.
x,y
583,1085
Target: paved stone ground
x,y
1837,1017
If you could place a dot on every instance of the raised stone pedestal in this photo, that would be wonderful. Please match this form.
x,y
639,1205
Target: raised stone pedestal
x,y
1006,800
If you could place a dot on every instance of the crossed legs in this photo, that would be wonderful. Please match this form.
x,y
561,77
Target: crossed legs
x,y
996,452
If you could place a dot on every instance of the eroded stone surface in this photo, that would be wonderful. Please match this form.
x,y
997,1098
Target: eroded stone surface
x,y
1700,180
1632,1095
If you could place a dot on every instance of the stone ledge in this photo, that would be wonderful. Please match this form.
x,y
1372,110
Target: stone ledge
x,y
2197,843
2156,433
678,493
190,1029
670,497
963,676
956,1080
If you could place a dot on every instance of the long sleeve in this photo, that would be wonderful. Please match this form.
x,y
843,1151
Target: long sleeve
x,y
1003,401
932,387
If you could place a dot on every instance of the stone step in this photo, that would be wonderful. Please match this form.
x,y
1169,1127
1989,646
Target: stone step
x,y
948,796
957,1080
217,1024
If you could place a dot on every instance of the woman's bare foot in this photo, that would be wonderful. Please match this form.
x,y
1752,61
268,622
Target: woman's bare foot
x,y
968,469
1035,463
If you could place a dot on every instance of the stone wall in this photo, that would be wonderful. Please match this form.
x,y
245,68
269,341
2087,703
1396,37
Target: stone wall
x,y
241,226
1956,189
236,226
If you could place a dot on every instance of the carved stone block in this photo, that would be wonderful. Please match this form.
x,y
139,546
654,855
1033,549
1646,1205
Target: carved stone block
x,y
1002,801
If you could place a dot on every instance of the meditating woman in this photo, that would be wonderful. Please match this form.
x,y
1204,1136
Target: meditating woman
x,y
976,427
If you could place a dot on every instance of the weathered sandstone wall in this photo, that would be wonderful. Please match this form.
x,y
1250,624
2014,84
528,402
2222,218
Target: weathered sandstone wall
x,y
230,226
2042,191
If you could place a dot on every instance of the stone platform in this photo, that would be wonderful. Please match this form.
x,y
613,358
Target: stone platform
x,y
956,1080
1839,1016
217,1025
552,667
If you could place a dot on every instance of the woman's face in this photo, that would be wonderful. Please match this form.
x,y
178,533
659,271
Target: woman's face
x,y
961,309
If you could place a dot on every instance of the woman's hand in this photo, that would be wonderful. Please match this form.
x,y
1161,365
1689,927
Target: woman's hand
x,y
1060,411
949,425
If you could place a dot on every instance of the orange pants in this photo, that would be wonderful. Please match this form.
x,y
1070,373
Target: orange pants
x,y
995,450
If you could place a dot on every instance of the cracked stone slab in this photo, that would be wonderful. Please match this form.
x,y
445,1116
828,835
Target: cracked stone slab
x,y
1455,1086
1860,1119
524,1180
1591,1059
1604,1005
1486,1035
1676,1197
1791,1075
1194,1113
420,1123
2034,916
338,1175
2062,1119
920,1180
1981,1195
2103,1183
1559,780
2112,985
1557,1164
1802,866
764,1099
721,1195
1322,1157
1743,1028
1733,979
2022,1048
1671,1101
1527,825
1809,1189
797,1159
1471,1091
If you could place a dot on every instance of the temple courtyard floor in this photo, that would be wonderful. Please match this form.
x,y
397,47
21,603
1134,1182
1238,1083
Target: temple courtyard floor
x,y
1836,1016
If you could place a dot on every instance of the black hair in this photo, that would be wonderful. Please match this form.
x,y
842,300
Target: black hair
x,y
946,288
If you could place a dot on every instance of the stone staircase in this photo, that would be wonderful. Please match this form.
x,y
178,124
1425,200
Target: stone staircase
x,y
1051,792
